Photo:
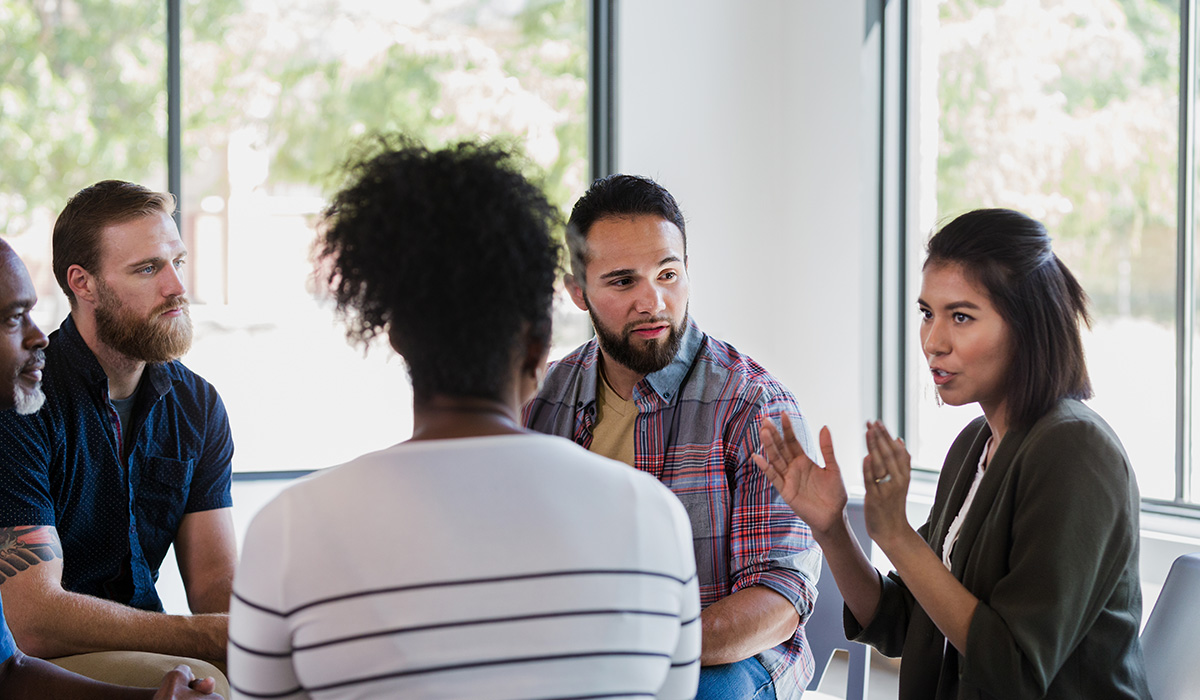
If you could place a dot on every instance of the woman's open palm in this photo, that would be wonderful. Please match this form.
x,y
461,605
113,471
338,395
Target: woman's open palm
x,y
816,493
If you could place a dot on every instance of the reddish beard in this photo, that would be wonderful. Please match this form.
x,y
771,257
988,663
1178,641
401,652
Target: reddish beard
x,y
153,338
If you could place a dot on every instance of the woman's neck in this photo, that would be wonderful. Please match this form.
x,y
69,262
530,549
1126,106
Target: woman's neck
x,y
997,420
445,417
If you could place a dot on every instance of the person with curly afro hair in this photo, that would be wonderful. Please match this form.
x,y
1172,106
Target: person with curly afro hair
x,y
476,559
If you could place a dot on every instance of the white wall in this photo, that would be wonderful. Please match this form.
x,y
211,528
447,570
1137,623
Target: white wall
x,y
759,118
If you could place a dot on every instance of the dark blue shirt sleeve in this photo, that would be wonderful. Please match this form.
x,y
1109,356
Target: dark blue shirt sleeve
x,y
25,451
210,480
8,646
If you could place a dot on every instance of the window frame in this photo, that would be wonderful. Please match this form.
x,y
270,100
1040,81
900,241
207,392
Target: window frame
x,y
899,236
601,15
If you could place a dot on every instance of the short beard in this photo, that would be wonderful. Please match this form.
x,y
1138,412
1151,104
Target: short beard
x,y
151,339
26,402
649,357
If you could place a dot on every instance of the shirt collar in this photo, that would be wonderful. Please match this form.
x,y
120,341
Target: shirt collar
x,y
666,381
160,375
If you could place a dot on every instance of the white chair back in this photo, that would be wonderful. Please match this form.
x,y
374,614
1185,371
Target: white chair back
x,y
1171,638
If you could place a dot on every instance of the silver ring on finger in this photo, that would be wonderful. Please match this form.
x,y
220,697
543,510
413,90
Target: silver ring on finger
x,y
884,479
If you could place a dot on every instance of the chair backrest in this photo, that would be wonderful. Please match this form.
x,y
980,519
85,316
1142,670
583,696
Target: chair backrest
x,y
824,628
1171,638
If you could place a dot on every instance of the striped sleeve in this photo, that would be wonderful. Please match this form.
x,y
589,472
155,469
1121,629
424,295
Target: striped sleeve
x,y
260,645
684,675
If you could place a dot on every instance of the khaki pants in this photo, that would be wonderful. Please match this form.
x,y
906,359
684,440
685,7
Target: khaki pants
x,y
140,669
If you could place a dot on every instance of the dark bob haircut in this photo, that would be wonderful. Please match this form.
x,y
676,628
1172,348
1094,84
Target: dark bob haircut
x,y
450,253
617,196
1009,255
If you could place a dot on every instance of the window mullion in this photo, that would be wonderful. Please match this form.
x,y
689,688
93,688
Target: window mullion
x,y
1185,307
602,92
174,112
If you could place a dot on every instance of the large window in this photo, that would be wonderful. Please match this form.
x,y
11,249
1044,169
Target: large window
x,y
1069,112
273,94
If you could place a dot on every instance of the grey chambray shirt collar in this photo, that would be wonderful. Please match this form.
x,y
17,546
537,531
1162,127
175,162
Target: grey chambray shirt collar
x,y
666,381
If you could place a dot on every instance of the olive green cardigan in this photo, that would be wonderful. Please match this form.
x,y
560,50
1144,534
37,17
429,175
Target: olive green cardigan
x,y
1050,548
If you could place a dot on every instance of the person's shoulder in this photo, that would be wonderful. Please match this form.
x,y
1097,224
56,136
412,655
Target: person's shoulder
x,y
1070,421
565,375
745,372
1073,439
186,383
581,357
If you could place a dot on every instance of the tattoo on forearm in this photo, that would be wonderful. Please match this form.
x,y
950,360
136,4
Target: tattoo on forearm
x,y
26,546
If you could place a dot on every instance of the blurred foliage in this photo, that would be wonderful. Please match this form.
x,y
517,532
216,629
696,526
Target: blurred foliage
x,y
67,88
83,90
1068,110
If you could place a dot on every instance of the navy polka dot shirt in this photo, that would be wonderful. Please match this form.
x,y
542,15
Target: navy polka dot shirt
x,y
116,514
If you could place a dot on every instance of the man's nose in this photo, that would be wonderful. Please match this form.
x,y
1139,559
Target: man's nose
x,y
173,282
34,337
651,300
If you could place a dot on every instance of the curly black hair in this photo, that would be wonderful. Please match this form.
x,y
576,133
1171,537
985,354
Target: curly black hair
x,y
451,253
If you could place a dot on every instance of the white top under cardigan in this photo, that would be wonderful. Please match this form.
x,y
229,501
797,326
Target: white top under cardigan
x,y
956,526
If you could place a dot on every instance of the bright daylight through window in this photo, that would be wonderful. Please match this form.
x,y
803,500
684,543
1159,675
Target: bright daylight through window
x,y
1067,110
274,94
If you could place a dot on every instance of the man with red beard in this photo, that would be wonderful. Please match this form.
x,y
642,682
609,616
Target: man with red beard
x,y
654,391
130,455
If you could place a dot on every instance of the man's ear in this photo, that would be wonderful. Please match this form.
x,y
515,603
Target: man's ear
x,y
576,291
81,283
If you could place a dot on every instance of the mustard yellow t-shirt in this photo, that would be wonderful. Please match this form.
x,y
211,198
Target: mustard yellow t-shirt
x,y
612,433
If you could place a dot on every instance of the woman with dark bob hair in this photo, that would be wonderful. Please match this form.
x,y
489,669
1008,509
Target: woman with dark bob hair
x,y
476,560
1023,582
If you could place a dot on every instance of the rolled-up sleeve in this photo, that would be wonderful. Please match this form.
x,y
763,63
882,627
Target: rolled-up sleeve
x,y
769,544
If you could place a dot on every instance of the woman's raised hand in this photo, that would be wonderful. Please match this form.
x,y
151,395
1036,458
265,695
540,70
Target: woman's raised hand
x,y
816,494
886,472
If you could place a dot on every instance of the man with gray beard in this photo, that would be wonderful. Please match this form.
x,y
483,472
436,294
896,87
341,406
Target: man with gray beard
x,y
130,455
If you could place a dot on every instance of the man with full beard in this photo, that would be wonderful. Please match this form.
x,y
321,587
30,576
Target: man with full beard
x,y
654,391
130,455
22,359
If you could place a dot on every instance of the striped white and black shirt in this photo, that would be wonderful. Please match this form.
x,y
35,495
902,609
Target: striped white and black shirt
x,y
502,567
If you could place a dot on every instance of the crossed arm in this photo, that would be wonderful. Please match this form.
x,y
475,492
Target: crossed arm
x,y
49,621
745,623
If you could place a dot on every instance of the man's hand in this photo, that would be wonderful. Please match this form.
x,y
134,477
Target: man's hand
x,y
180,684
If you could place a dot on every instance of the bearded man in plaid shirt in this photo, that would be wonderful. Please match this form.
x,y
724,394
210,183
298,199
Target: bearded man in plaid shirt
x,y
654,391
